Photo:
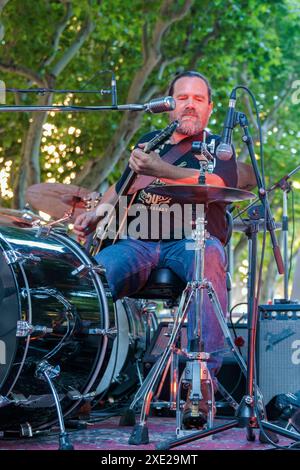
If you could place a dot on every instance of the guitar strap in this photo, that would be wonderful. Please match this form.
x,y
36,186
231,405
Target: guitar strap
x,y
175,152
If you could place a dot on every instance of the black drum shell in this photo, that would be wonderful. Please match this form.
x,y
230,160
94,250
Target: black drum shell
x,y
50,284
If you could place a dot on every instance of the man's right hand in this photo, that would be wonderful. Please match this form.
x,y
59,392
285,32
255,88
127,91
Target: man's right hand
x,y
84,224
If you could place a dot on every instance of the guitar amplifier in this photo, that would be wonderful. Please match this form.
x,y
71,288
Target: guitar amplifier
x,y
278,349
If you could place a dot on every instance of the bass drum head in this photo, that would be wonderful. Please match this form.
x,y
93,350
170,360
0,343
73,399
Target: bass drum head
x,y
53,307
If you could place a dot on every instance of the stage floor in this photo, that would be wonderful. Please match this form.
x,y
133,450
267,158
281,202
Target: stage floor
x,y
108,435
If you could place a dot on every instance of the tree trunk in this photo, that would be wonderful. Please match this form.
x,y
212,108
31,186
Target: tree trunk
x,y
29,172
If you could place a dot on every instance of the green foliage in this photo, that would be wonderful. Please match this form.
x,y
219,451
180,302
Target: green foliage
x,y
249,42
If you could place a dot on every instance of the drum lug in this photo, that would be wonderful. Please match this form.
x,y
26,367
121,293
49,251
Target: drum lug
x,y
110,332
25,329
13,256
90,268
43,231
75,395
44,368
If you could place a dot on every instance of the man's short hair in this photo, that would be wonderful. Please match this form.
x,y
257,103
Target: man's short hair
x,y
191,73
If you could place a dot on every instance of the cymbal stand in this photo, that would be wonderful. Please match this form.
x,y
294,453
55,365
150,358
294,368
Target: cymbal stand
x,y
197,370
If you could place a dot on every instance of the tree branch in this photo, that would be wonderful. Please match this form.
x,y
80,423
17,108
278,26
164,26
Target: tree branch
x,y
96,171
204,41
24,72
145,42
58,33
278,103
153,46
74,48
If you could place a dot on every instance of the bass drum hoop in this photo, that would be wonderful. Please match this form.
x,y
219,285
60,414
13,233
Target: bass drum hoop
x,y
90,264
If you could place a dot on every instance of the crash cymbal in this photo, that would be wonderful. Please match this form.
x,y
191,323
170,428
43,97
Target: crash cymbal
x,y
17,218
56,199
241,225
200,194
74,201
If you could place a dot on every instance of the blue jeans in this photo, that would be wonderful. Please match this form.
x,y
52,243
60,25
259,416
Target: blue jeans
x,y
129,263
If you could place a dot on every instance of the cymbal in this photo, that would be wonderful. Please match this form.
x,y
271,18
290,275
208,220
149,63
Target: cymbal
x,y
17,218
72,201
200,194
241,225
56,199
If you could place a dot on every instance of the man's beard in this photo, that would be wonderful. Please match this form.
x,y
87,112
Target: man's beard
x,y
188,127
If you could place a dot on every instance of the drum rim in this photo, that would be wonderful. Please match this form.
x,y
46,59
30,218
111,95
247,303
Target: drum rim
x,y
27,340
103,313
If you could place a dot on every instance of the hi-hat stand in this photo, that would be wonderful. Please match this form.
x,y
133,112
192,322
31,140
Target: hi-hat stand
x,y
196,371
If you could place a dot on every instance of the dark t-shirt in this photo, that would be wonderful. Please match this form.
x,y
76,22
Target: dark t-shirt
x,y
158,205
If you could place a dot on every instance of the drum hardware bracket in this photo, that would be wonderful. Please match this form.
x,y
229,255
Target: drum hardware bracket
x,y
26,329
76,395
44,368
13,256
52,293
45,371
17,399
90,268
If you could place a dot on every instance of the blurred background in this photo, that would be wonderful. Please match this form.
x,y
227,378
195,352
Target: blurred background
x,y
76,44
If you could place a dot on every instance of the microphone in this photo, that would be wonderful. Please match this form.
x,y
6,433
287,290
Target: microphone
x,y
113,90
160,105
157,105
225,150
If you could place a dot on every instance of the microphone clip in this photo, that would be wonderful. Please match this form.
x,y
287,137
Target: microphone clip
x,y
203,153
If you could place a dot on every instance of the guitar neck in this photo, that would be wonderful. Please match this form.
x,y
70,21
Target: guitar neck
x,y
149,146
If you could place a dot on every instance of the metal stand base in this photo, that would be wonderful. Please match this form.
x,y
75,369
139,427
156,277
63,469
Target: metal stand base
x,y
139,435
146,391
46,372
165,445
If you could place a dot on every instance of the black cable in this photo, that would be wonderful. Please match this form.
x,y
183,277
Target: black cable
x,y
293,235
231,321
261,151
42,91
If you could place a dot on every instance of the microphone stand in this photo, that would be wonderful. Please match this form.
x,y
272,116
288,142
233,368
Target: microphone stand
x,y
247,412
121,107
285,186
158,105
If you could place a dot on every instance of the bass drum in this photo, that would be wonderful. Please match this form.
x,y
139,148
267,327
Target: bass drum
x,y
122,372
54,307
